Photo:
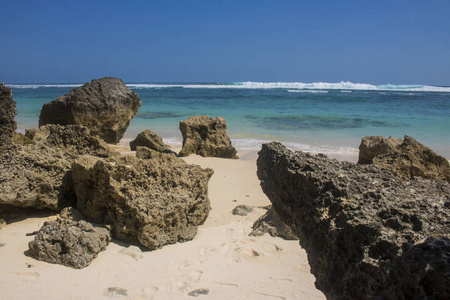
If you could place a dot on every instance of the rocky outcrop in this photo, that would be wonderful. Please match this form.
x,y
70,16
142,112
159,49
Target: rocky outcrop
x,y
272,224
152,202
105,106
38,175
407,158
7,113
69,243
372,146
151,140
206,136
368,233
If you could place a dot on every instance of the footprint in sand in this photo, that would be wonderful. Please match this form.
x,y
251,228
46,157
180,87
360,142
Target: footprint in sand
x,y
149,292
183,281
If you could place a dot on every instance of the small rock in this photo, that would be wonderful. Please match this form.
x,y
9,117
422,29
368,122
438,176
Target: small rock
x,y
151,140
133,251
271,223
32,233
116,291
2,244
198,292
2,223
242,210
71,213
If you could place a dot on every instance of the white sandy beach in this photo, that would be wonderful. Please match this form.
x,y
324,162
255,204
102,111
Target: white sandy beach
x,y
222,258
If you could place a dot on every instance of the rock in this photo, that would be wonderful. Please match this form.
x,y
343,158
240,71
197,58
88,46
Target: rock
x,y
242,210
21,139
150,140
38,175
206,136
69,243
116,291
363,228
199,292
2,244
152,202
2,223
7,113
71,213
372,146
133,251
271,223
105,106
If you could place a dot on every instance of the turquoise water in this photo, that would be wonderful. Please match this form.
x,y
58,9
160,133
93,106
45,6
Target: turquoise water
x,y
318,117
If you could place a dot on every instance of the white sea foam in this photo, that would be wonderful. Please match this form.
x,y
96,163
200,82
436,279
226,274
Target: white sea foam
x,y
308,91
343,86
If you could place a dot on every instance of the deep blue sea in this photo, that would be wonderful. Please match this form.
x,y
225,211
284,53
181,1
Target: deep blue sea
x,y
318,117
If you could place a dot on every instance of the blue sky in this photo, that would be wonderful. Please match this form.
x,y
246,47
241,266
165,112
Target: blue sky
x,y
378,41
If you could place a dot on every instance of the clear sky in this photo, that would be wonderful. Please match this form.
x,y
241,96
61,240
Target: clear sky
x,y
362,41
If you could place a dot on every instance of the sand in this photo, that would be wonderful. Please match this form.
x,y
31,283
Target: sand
x,y
222,262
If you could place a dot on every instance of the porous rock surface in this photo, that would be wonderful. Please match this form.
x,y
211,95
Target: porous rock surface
x,y
206,136
272,224
38,175
152,202
368,233
70,243
406,158
151,140
7,113
105,106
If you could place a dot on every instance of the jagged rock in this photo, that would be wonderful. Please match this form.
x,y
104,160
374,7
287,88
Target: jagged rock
x,y
271,223
69,243
410,159
21,139
71,214
133,251
372,146
38,175
242,210
368,233
2,223
152,202
105,106
198,292
150,140
8,111
206,136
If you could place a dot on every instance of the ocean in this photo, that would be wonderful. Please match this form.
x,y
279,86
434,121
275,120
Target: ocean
x,y
329,118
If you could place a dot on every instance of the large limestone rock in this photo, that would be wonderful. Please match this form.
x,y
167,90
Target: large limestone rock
x,y
206,136
106,106
372,146
151,202
69,243
368,233
38,175
406,158
7,113
151,140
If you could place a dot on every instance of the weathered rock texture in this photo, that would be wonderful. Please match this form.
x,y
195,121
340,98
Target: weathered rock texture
x,y
406,158
106,106
272,224
7,113
38,175
206,136
152,202
151,140
368,233
70,243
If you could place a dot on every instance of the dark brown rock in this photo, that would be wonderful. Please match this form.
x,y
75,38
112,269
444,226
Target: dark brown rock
x,y
406,158
151,140
38,175
152,202
206,136
69,243
105,106
368,233
7,113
